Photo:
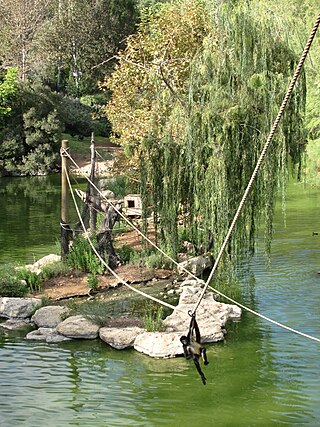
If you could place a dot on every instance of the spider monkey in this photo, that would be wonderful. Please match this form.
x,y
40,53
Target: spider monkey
x,y
192,346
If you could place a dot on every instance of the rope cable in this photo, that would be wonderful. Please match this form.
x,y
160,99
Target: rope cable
x,y
261,158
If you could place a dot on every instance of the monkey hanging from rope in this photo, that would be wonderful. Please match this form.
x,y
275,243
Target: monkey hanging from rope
x,y
192,347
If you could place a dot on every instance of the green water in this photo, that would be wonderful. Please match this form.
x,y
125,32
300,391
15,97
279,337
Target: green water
x,y
260,376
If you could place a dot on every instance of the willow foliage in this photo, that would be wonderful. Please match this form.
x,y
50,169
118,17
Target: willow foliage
x,y
204,124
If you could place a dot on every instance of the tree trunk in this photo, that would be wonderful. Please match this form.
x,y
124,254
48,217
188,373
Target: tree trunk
x,y
104,237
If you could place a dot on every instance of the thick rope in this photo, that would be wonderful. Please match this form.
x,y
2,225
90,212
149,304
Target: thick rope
x,y
261,158
106,265
268,319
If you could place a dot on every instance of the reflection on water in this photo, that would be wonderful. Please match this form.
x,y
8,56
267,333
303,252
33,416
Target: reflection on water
x,y
30,218
260,376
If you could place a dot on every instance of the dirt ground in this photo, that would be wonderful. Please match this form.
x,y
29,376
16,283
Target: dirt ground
x,y
70,286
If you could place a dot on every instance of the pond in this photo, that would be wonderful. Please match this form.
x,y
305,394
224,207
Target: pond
x,y
260,376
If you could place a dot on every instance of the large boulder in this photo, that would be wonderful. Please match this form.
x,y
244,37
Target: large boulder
x,y
159,344
49,316
18,308
120,338
195,265
211,317
78,327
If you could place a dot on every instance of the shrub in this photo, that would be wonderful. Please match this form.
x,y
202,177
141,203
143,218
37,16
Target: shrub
x,y
54,269
11,285
92,280
32,279
153,317
81,257
125,253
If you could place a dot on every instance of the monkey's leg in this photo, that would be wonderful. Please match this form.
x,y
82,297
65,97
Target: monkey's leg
x,y
204,356
196,362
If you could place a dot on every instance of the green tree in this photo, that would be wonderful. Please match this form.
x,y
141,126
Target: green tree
x,y
194,97
30,136
79,39
8,91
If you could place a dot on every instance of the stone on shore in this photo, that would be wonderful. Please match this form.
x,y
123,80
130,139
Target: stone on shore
x,y
195,265
50,316
211,317
18,308
159,344
14,324
50,335
43,262
120,338
78,327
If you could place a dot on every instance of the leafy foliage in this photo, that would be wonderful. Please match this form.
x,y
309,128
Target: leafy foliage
x,y
8,90
30,137
194,97
81,257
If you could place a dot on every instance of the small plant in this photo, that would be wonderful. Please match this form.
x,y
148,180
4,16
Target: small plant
x,y
54,269
81,257
92,280
12,287
153,317
32,279
97,311
125,253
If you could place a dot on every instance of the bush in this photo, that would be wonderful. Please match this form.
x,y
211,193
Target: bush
x,y
11,285
125,253
81,257
153,317
32,279
77,117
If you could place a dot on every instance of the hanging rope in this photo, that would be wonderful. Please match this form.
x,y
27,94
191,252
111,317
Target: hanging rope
x,y
262,156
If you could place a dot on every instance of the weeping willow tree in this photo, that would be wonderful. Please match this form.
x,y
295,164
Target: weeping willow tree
x,y
206,130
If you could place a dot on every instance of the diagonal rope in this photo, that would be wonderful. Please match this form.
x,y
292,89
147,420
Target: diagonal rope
x,y
261,158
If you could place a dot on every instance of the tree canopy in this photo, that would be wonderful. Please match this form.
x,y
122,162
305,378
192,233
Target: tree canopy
x,y
194,96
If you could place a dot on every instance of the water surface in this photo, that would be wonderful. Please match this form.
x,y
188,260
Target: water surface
x,y
260,376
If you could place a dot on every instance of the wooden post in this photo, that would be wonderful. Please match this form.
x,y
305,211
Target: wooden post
x,y
65,228
92,190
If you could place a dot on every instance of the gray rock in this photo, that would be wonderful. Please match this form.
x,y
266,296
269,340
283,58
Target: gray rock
x,y
14,324
49,335
40,334
211,317
159,344
42,262
78,327
195,265
120,338
20,308
49,316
